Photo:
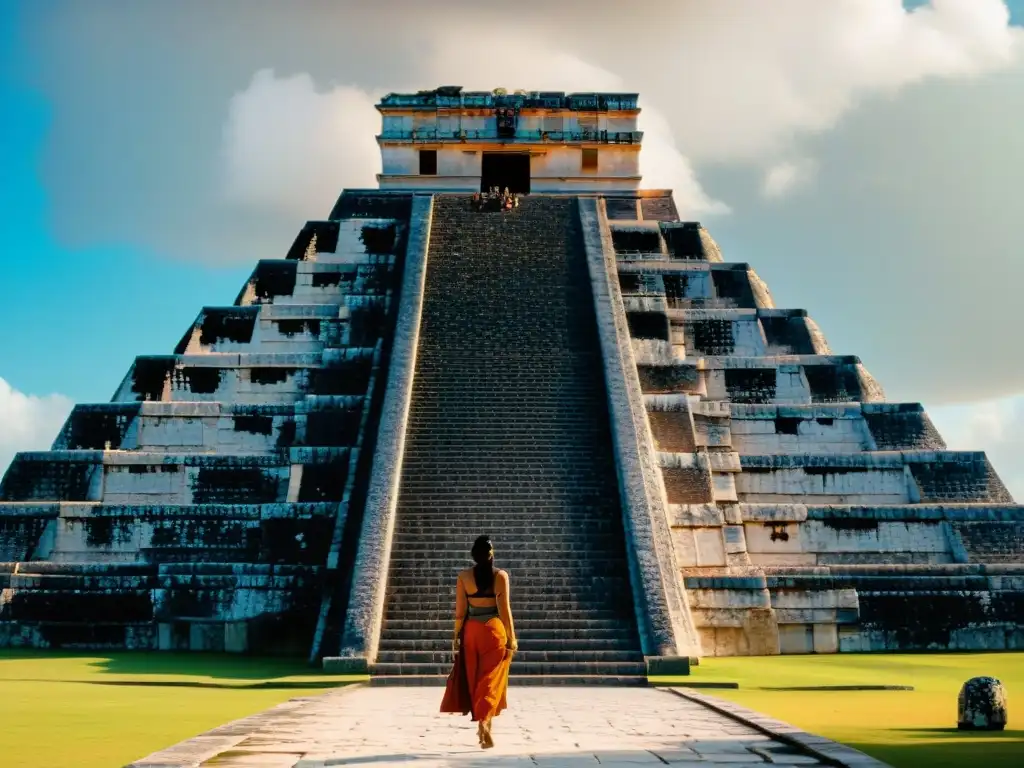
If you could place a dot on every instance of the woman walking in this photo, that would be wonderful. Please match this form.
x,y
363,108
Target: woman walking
x,y
485,635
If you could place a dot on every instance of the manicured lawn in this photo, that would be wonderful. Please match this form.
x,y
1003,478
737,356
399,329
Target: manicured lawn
x,y
904,728
59,709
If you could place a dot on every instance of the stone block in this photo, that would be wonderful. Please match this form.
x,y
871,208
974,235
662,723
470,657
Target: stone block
x,y
206,637
761,631
796,638
826,638
710,546
236,637
991,638
981,705
165,636
733,539
665,666
344,665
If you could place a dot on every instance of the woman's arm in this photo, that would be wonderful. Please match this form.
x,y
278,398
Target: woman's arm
x,y
460,609
501,589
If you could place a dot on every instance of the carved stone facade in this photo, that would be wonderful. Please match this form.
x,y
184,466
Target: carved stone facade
x,y
807,514
205,507
450,140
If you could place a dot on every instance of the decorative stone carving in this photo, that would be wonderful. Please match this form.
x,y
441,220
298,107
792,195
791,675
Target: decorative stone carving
x,y
981,705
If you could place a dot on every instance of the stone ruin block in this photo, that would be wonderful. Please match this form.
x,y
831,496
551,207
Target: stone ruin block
x,y
689,241
659,208
981,705
794,429
272,279
621,208
751,385
356,205
314,237
732,282
220,329
648,325
788,333
668,379
957,477
992,541
97,427
637,243
69,476
710,337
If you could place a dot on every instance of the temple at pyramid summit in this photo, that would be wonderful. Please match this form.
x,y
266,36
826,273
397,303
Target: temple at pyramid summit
x,y
670,465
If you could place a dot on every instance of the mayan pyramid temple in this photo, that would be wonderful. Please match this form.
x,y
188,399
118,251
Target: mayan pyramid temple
x,y
671,466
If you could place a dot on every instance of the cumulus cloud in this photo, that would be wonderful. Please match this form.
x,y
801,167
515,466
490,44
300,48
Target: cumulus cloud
x,y
993,426
289,146
28,422
744,79
785,177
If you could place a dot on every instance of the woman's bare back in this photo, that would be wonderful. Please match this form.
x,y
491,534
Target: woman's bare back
x,y
498,597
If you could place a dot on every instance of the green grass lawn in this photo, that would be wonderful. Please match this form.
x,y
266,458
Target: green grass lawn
x,y
904,728
65,709
60,709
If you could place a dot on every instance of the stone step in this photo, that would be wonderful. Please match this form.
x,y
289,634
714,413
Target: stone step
x,y
442,641
517,680
459,541
529,632
444,656
540,548
540,514
568,585
619,605
449,571
525,584
564,626
528,615
417,513
601,561
557,537
638,668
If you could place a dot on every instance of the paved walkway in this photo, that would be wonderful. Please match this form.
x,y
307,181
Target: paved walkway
x,y
390,726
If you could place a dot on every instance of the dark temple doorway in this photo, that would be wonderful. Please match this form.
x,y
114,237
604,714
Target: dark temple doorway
x,y
506,169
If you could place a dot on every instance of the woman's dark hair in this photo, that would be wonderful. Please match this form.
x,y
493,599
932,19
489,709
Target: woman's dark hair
x,y
483,555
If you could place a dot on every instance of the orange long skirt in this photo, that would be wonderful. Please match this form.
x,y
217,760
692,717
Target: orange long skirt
x,y
487,665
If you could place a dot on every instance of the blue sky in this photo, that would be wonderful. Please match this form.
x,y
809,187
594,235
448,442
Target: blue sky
x,y
76,317
112,152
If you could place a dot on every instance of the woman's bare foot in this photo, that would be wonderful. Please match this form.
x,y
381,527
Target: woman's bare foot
x,y
487,741
480,734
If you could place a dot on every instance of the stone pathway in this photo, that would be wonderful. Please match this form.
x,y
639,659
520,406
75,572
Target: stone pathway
x,y
391,726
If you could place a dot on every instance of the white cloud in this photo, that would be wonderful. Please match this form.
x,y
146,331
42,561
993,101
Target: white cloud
x,y
28,422
993,426
289,148
742,80
785,177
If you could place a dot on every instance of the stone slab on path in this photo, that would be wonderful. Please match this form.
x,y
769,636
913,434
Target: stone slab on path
x,y
390,726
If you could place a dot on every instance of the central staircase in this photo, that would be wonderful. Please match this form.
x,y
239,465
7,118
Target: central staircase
x,y
508,435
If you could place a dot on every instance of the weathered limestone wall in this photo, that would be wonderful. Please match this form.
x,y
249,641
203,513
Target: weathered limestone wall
x,y
365,604
204,508
807,514
553,167
663,615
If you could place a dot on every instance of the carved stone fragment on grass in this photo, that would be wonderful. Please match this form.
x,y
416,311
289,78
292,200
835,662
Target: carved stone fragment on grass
x,y
982,705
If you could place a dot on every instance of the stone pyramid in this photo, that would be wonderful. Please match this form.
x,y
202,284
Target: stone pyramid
x,y
671,466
